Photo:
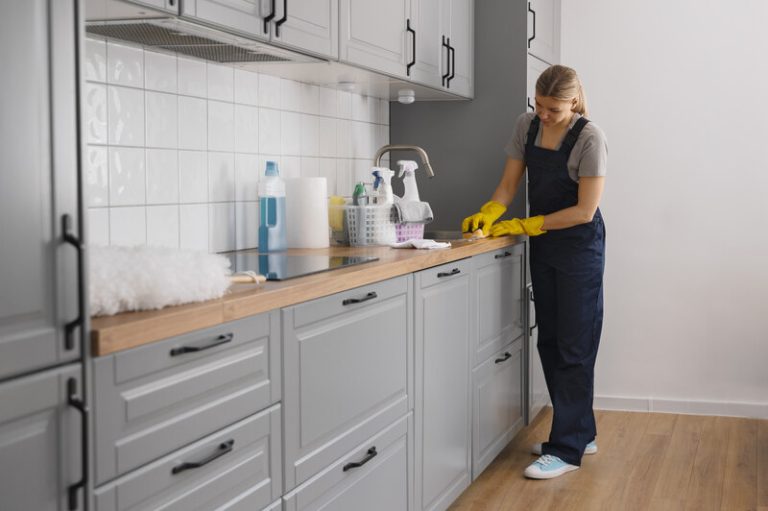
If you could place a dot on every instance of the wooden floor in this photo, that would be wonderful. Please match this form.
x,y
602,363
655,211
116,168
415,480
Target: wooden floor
x,y
646,461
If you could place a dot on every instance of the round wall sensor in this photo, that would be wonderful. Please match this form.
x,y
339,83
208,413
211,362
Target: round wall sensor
x,y
406,96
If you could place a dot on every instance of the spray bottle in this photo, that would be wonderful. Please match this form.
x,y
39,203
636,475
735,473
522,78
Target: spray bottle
x,y
382,185
408,174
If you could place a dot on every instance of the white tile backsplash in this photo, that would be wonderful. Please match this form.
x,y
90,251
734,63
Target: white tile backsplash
x,y
176,145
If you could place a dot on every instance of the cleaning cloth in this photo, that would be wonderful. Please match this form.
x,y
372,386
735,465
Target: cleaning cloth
x,y
421,244
413,212
144,278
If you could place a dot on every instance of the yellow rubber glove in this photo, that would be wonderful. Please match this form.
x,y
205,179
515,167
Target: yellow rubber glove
x,y
489,213
530,226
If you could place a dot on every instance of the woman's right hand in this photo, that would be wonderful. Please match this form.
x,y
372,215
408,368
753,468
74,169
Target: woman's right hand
x,y
489,213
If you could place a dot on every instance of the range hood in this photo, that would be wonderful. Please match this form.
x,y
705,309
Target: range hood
x,y
155,30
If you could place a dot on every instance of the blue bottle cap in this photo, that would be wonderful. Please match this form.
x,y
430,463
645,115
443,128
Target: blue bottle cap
x,y
271,169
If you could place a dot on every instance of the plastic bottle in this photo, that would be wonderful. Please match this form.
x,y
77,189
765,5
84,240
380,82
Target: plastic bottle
x,y
383,185
272,210
408,174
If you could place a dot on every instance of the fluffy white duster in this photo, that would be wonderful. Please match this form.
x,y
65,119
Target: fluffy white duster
x,y
145,278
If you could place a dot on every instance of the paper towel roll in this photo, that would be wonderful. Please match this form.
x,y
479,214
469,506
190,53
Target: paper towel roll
x,y
306,212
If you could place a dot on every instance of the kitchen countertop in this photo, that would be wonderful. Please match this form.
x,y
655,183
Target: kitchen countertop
x,y
110,334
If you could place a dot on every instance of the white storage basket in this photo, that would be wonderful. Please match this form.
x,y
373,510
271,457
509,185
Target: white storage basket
x,y
370,225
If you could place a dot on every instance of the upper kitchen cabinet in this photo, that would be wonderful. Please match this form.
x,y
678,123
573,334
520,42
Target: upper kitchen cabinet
x,y
544,30
39,309
426,55
458,48
250,18
535,68
375,35
308,25
169,6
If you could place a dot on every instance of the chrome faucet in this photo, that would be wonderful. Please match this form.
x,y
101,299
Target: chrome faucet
x,y
402,147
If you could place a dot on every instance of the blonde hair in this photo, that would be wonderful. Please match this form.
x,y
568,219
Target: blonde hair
x,y
561,82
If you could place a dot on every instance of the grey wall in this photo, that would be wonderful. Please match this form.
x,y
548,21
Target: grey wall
x,y
465,139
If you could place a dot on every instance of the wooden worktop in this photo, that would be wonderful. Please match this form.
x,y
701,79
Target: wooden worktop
x,y
128,330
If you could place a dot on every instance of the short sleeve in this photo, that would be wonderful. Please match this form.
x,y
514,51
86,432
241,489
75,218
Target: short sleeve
x,y
594,153
515,148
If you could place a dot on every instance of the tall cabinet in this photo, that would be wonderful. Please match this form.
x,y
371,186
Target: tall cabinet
x,y
41,387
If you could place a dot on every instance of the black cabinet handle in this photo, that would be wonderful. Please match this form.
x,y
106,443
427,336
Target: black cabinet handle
x,y
283,19
536,324
221,450
447,60
368,457
534,25
507,356
533,109
78,404
454,271
501,256
413,46
193,348
269,17
68,237
452,52
172,3
369,296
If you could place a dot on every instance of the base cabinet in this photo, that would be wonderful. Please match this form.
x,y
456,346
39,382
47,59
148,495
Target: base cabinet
x,y
442,409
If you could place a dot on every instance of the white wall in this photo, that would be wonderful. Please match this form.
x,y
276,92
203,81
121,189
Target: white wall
x,y
176,145
680,90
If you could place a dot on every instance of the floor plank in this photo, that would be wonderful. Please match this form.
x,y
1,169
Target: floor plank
x,y
740,479
676,467
762,464
705,491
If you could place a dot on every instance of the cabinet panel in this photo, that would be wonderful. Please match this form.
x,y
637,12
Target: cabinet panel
x,y
346,375
498,404
426,20
442,409
169,6
40,442
151,400
544,30
535,68
497,293
310,25
243,16
238,468
380,484
373,34
538,397
462,42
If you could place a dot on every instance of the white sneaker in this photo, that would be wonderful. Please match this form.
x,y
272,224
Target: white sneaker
x,y
591,448
548,467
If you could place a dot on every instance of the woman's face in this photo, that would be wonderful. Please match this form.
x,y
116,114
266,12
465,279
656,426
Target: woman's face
x,y
554,112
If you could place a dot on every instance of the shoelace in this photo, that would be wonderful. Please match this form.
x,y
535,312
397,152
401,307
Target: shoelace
x,y
547,459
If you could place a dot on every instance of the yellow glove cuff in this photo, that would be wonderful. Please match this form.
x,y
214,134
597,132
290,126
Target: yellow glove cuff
x,y
493,209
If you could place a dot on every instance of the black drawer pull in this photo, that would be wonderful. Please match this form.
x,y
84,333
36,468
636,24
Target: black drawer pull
x,y
454,271
221,450
283,19
368,457
507,356
369,296
530,39
501,256
413,47
222,339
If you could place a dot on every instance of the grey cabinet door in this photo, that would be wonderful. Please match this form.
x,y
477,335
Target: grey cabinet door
x,y
308,25
40,449
38,184
428,60
442,410
246,17
347,373
497,296
537,385
373,34
497,386
169,6
462,55
544,30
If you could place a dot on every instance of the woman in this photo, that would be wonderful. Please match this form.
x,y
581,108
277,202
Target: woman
x,y
566,156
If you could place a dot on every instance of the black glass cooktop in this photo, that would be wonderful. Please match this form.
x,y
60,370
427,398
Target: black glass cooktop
x,y
281,266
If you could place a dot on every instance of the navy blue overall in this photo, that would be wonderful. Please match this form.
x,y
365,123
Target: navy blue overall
x,y
567,275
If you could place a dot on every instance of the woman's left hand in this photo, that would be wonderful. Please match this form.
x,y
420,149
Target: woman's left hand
x,y
531,226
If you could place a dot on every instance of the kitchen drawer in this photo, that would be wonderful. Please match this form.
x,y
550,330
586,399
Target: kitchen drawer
x,y
340,303
347,374
497,289
497,386
239,468
380,484
151,400
444,272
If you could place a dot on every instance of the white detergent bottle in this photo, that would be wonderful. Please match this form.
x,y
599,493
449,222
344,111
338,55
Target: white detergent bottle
x,y
272,236
383,185
408,174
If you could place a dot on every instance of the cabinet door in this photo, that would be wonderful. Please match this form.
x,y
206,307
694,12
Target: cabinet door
x,y
170,6
38,184
442,410
544,30
537,385
462,55
40,446
497,386
373,34
243,16
308,25
426,21
535,68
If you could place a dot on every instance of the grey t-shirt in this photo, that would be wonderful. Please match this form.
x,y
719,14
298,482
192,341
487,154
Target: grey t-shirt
x,y
588,158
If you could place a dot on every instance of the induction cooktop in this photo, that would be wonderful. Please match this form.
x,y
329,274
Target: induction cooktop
x,y
282,266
